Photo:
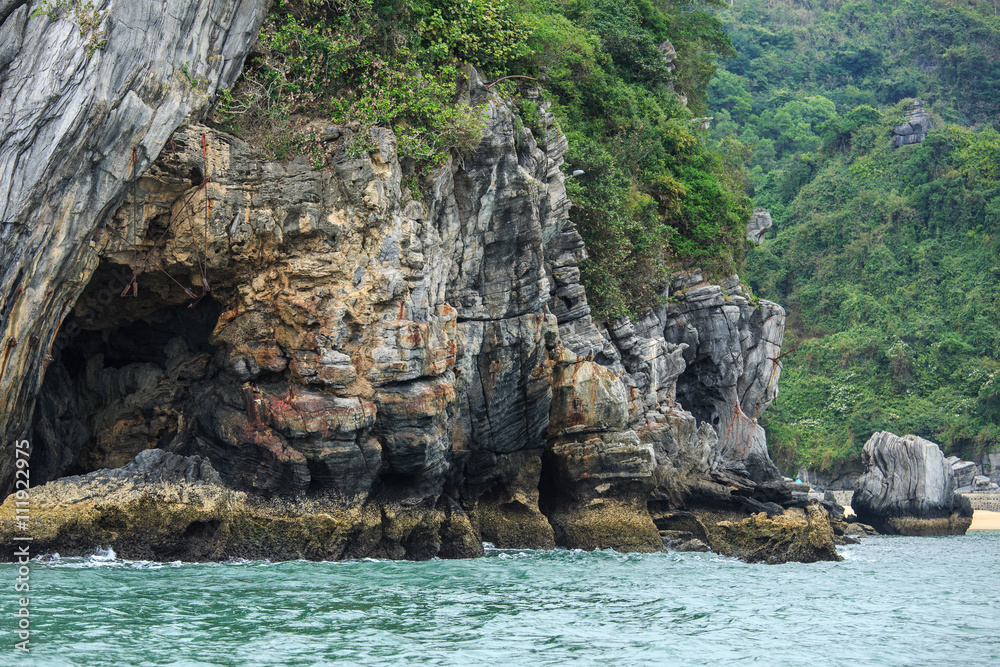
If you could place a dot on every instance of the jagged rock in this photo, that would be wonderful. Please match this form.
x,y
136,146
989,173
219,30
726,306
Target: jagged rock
x,y
680,524
759,223
908,489
703,122
840,477
694,545
327,386
669,54
586,397
965,471
802,535
858,529
982,483
598,490
914,129
507,514
732,366
600,474
789,494
151,467
118,93
168,507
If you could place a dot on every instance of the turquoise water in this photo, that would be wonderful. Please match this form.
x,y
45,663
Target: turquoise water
x,y
893,601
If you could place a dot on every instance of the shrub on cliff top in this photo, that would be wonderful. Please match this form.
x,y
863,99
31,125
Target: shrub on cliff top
x,y
372,62
653,195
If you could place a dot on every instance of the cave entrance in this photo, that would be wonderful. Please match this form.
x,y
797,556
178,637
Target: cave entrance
x,y
700,399
124,378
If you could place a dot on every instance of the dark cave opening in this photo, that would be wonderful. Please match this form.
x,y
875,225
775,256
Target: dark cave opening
x,y
697,397
552,495
146,340
112,392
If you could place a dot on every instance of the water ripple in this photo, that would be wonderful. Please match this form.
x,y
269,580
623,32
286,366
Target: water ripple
x,y
892,601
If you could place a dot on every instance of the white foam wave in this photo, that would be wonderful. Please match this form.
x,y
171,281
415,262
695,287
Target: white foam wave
x,y
102,555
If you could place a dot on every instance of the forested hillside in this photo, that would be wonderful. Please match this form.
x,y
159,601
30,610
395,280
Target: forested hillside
x,y
888,260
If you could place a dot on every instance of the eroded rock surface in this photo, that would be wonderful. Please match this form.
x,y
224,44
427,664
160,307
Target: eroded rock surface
x,y
914,129
908,488
81,113
760,222
801,535
167,507
732,366
373,370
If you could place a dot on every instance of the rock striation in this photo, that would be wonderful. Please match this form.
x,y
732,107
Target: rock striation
x,y
82,111
969,477
167,507
908,488
269,359
732,366
759,223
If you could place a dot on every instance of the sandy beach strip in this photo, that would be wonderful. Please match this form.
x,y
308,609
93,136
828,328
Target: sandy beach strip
x,y
983,520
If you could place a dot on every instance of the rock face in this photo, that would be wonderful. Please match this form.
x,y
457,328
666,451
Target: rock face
x,y
969,477
167,507
731,366
365,368
802,535
965,471
83,112
759,223
908,488
600,473
841,477
914,130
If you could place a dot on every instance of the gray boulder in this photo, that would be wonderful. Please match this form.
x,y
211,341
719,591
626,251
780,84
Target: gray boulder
x,y
759,223
965,471
983,483
694,545
914,129
908,488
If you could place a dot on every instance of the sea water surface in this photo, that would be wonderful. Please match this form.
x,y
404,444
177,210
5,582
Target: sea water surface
x,y
892,601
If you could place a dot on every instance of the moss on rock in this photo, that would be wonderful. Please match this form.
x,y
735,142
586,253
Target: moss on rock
x,y
805,536
606,523
168,507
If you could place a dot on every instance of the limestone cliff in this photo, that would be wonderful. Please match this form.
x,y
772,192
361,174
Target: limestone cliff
x,y
369,368
82,109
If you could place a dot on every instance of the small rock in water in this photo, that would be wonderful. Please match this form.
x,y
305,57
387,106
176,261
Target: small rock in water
x,y
693,545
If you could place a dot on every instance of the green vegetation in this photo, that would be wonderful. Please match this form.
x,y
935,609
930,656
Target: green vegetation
x,y
653,191
186,71
86,16
888,260
363,63
654,195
